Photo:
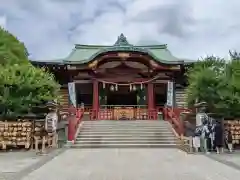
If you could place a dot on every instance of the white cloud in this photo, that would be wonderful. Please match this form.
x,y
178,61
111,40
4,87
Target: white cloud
x,y
191,29
3,22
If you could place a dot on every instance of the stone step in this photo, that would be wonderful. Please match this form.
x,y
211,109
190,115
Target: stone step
x,y
135,131
109,135
130,138
125,125
125,146
180,91
126,142
128,121
125,129
102,133
125,134
180,94
89,123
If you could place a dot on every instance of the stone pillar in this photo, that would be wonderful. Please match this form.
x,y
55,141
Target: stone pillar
x,y
150,96
95,96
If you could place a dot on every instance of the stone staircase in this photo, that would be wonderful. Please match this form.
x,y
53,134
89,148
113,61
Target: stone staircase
x,y
181,98
64,99
125,134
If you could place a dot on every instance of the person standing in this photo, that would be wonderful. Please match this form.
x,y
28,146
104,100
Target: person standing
x,y
190,133
213,136
218,132
209,136
197,138
229,140
205,137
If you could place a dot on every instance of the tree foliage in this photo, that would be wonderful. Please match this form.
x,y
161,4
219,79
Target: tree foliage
x,y
216,82
12,51
22,86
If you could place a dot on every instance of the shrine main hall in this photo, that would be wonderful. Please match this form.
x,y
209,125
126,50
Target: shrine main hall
x,y
120,81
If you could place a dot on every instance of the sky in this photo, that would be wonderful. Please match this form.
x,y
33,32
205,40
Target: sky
x,y
191,28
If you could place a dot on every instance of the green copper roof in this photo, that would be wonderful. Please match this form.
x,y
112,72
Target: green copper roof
x,y
85,53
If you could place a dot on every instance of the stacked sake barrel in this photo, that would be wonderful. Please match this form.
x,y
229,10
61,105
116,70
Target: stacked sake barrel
x,y
234,127
17,134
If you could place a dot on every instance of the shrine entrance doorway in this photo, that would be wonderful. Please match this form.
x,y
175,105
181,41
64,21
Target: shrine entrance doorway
x,y
121,102
122,97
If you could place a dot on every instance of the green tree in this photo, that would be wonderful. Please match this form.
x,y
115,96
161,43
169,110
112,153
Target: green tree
x,y
12,51
230,97
22,86
203,77
216,82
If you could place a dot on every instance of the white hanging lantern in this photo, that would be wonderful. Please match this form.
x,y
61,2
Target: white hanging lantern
x,y
116,87
130,87
141,86
104,85
112,88
134,88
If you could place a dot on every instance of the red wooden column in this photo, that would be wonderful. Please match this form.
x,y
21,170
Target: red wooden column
x,y
95,97
150,96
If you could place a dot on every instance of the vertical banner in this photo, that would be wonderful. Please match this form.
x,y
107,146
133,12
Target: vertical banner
x,y
141,96
72,93
170,95
102,96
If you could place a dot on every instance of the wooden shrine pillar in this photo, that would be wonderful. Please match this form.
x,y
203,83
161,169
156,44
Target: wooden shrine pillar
x,y
95,96
150,96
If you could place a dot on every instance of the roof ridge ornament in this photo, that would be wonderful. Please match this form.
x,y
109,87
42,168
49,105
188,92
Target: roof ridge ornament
x,y
122,41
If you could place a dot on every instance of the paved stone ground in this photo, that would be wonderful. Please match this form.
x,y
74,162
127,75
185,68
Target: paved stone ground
x,y
232,160
14,162
132,164
15,165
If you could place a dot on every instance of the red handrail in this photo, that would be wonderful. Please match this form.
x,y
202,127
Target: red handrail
x,y
173,116
74,119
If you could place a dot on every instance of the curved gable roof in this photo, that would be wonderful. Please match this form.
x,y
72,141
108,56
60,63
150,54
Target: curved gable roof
x,y
85,53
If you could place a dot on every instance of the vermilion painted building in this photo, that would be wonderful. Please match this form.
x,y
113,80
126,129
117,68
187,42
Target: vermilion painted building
x,y
121,80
